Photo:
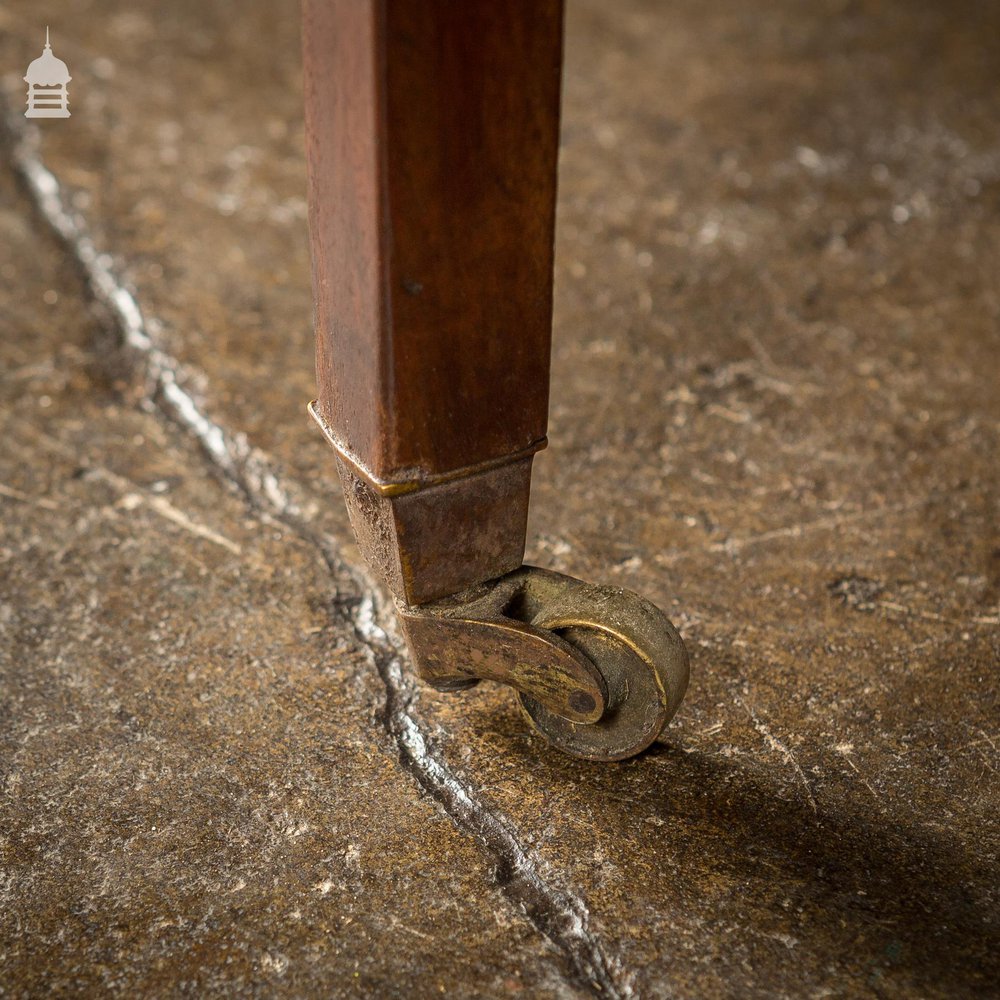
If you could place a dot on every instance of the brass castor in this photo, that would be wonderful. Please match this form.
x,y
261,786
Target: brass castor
x,y
599,671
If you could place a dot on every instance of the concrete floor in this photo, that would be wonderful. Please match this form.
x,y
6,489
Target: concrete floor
x,y
775,413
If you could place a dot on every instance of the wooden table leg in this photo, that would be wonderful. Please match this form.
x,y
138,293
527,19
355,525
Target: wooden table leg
x,y
432,131
432,135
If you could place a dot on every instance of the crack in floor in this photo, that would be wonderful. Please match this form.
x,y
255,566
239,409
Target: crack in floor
x,y
560,915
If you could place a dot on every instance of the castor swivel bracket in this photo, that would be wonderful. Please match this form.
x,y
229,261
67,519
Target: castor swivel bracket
x,y
599,671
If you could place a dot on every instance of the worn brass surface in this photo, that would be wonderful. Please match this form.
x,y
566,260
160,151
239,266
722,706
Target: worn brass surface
x,y
445,538
643,663
599,670
428,536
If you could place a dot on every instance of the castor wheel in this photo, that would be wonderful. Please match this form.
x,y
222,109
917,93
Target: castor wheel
x,y
599,671
641,659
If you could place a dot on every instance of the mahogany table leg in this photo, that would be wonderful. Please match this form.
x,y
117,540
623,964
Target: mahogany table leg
x,y
432,140
432,135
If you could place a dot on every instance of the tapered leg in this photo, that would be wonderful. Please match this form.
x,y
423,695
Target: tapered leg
x,y
432,134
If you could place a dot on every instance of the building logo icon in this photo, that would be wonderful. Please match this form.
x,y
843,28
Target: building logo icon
x,y
47,79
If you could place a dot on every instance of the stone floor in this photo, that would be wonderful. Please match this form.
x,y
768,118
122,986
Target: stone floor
x,y
776,406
